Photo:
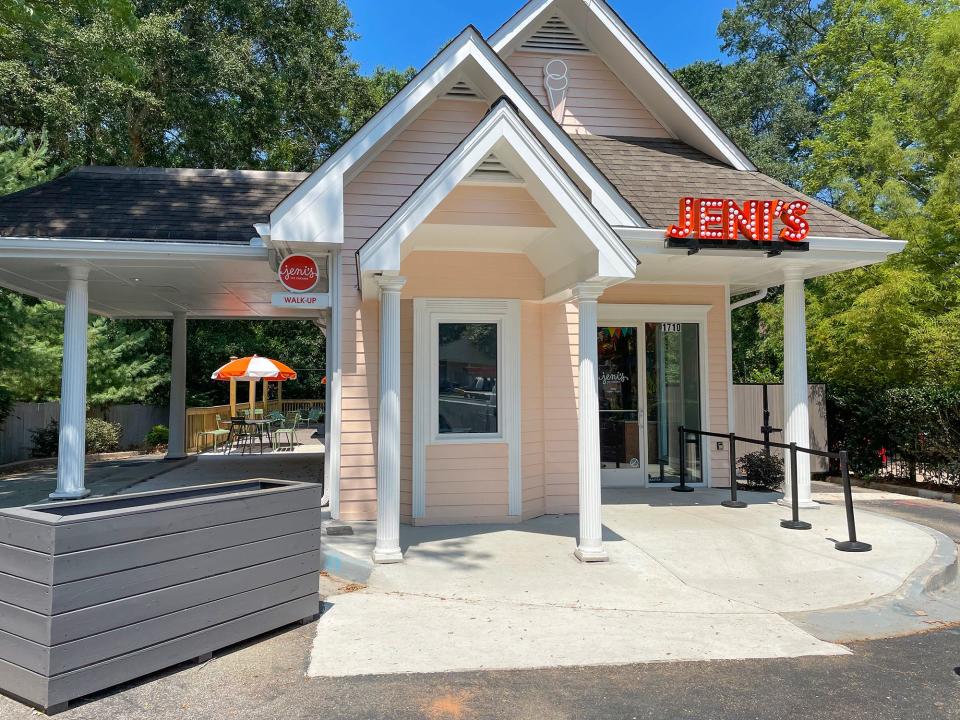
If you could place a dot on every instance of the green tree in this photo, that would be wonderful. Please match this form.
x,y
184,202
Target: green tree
x,y
24,160
121,368
764,108
203,83
297,343
882,78
210,83
887,153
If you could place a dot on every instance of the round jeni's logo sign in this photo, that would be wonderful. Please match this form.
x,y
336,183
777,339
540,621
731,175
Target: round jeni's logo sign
x,y
299,273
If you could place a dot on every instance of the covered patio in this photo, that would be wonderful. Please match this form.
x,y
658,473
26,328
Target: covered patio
x,y
114,246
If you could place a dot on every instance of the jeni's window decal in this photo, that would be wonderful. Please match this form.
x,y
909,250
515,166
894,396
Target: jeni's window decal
x,y
714,219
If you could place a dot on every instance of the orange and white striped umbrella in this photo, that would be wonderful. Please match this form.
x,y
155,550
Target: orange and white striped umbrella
x,y
254,368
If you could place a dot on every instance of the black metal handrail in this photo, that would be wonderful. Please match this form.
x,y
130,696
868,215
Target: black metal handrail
x,y
794,523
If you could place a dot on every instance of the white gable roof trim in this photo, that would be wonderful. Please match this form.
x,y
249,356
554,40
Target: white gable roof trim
x,y
316,206
508,38
382,252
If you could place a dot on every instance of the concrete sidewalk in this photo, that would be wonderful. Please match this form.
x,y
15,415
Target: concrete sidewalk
x,y
687,580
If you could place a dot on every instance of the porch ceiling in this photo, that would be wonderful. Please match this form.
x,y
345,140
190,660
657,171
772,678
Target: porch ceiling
x,y
149,280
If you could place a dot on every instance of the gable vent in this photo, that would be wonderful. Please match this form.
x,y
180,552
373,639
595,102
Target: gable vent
x,y
463,91
555,35
492,170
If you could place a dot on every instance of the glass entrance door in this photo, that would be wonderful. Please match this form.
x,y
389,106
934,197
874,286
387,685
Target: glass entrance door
x,y
619,393
649,385
672,354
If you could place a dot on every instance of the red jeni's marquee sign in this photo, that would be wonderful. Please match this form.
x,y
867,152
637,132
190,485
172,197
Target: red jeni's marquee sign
x,y
722,220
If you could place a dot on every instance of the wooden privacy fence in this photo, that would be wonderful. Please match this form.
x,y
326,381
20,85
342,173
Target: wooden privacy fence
x,y
200,420
136,420
748,418
16,440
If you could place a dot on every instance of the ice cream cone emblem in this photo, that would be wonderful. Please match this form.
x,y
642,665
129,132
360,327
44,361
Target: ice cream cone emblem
x,y
556,82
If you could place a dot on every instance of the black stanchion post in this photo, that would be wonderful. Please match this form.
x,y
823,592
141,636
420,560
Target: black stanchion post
x,y
733,502
682,487
794,523
851,545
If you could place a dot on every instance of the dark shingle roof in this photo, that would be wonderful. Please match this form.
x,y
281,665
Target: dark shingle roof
x,y
213,206
653,174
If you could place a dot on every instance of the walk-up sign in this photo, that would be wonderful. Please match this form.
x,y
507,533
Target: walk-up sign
x,y
304,301
299,274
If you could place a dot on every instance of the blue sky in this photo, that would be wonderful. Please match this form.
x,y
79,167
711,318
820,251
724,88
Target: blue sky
x,y
401,33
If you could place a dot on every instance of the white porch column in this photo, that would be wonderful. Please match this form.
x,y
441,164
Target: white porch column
x,y
73,390
178,388
387,549
590,541
796,427
331,465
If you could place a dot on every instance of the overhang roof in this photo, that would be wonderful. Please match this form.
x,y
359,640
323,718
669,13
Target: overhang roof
x,y
594,251
119,203
314,211
653,174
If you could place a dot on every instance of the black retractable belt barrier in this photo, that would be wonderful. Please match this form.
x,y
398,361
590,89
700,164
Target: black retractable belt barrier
x,y
683,487
733,502
795,523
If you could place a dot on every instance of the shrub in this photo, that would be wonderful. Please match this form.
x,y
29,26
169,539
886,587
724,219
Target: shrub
x,y
917,425
103,436
45,440
762,471
158,435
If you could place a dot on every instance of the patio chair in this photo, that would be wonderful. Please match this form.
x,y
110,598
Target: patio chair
x,y
243,436
216,435
314,416
284,438
293,419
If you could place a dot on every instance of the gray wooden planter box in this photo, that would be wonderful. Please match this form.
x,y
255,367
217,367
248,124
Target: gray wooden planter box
x,y
97,592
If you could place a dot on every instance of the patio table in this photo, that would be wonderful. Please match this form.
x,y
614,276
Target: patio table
x,y
238,428
263,424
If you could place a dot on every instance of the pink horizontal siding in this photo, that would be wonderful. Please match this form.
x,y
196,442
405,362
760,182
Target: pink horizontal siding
x,y
531,408
369,200
561,353
490,205
598,103
466,483
376,193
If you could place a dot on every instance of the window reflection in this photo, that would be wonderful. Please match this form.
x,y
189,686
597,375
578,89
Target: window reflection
x,y
467,378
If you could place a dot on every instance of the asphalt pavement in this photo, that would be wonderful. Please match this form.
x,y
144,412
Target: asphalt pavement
x,y
908,678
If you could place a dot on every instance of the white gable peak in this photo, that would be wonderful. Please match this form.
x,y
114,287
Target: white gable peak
x,y
593,26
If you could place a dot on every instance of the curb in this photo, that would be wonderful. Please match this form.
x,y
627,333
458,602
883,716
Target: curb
x,y
345,566
942,495
913,608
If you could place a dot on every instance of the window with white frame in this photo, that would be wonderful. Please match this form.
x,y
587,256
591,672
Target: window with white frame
x,y
468,360
466,382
